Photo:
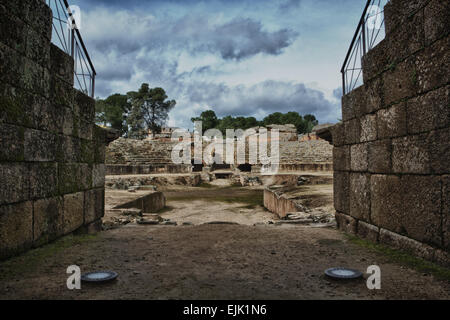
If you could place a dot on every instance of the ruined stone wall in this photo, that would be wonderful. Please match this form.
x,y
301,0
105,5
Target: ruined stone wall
x,y
392,151
51,152
130,157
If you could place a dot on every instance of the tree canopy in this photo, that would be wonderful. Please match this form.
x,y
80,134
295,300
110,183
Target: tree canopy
x,y
304,124
113,111
136,112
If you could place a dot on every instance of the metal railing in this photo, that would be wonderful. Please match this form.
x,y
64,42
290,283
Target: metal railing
x,y
370,32
67,37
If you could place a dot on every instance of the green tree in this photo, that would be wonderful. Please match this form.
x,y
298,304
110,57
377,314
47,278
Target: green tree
x,y
149,110
209,120
113,112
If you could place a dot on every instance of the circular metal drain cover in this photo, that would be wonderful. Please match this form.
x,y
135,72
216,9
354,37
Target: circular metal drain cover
x,y
343,273
99,276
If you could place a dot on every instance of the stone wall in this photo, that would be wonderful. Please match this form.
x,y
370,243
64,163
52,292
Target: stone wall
x,y
130,157
51,153
392,151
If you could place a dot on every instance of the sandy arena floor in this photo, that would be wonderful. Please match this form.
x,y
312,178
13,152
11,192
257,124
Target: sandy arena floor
x,y
208,261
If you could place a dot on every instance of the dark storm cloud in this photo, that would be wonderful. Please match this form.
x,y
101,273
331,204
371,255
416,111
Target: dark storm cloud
x,y
263,98
133,32
242,38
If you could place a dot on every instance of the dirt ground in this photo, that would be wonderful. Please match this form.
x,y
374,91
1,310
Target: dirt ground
x,y
214,261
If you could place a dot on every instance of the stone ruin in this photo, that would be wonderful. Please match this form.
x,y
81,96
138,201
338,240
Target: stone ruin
x,y
51,152
149,156
391,151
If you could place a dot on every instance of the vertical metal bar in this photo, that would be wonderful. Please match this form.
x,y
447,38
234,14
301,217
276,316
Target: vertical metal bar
x,y
93,86
343,82
73,42
364,36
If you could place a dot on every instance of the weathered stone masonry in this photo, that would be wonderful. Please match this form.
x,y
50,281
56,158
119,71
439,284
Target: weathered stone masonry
x,y
51,153
392,150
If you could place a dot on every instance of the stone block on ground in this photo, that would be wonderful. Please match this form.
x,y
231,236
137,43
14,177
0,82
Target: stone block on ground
x,y
48,220
73,211
16,228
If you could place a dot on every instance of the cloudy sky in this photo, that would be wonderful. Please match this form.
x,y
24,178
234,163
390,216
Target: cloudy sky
x,y
237,57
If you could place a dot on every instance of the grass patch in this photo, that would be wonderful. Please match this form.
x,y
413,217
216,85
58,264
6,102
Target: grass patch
x,y
165,209
248,198
403,258
29,261
206,185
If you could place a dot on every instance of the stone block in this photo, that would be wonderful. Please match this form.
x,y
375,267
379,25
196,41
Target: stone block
x,y
407,39
43,179
73,211
15,183
368,231
69,149
386,202
87,151
375,62
38,48
437,20
67,127
85,177
341,158
32,79
338,134
346,223
86,129
94,205
391,122
439,151
445,211
46,116
368,128
396,12
353,103
39,16
69,178
11,66
98,175
421,204
341,188
429,111
62,65
432,66
11,143
374,99
400,82
360,196
16,228
48,220
352,131
380,153
410,155
13,30
40,145
62,92
359,157
84,106
406,244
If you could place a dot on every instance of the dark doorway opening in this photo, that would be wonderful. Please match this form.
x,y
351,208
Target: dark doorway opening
x,y
245,167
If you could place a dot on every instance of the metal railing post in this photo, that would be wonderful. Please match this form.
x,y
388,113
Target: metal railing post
x,y
364,37
93,86
343,82
72,44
